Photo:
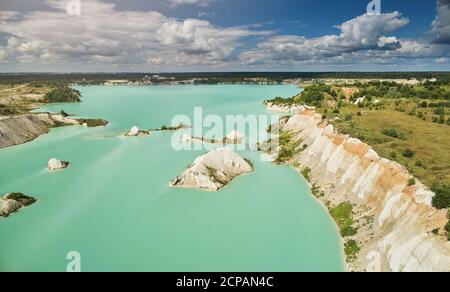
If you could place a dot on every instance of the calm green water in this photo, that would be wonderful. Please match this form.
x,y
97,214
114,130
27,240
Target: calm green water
x,y
114,204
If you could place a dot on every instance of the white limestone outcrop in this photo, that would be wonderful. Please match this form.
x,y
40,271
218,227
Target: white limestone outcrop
x,y
213,170
136,132
56,164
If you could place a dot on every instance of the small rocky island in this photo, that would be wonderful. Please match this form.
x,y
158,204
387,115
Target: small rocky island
x,y
213,170
55,164
136,132
164,128
13,202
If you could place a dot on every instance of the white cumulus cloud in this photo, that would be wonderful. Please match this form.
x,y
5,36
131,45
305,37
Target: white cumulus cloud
x,y
103,34
440,27
364,39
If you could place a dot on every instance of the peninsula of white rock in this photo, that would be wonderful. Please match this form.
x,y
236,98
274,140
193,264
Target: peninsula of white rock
x,y
213,170
13,202
55,164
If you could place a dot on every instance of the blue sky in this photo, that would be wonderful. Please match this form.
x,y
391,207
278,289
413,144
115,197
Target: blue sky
x,y
224,35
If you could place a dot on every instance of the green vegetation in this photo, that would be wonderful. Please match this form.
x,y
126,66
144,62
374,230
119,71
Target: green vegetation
x,y
411,182
289,147
391,133
386,89
62,93
315,190
351,250
314,95
306,173
408,153
447,230
442,198
282,101
343,215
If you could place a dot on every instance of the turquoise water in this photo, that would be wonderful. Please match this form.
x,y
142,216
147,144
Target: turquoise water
x,y
115,207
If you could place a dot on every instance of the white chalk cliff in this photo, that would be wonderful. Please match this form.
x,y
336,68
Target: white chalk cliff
x,y
398,237
213,170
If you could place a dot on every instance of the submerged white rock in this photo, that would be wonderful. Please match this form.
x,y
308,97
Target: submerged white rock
x,y
213,170
55,164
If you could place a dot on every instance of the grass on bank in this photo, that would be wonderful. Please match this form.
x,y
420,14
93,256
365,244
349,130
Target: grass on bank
x,y
343,215
289,147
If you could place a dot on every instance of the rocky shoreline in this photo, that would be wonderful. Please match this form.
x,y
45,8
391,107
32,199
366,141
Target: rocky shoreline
x,y
394,221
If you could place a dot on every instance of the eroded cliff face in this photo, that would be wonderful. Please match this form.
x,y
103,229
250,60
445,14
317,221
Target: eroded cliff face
x,y
394,220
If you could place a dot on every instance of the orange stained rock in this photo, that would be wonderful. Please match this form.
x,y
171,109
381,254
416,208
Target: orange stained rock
x,y
308,112
390,177
359,148
338,140
410,191
322,124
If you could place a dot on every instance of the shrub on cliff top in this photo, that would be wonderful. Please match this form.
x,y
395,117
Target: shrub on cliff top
x,y
442,198
408,153
390,132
